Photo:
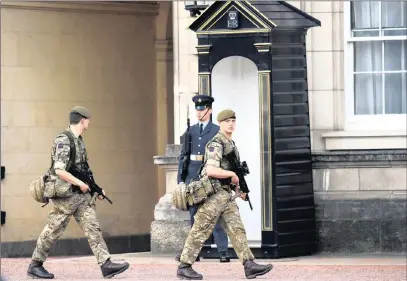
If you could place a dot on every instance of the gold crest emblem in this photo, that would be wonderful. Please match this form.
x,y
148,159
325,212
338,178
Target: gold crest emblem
x,y
199,100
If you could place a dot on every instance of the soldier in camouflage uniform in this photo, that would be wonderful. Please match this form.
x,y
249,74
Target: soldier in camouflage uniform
x,y
201,133
219,207
76,205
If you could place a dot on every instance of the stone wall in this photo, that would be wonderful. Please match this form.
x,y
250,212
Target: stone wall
x,y
102,56
361,201
360,194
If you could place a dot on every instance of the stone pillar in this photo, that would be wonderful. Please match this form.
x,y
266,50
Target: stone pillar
x,y
164,96
185,68
170,227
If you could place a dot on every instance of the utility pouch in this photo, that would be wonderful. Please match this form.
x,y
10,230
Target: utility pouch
x,y
54,186
199,191
57,188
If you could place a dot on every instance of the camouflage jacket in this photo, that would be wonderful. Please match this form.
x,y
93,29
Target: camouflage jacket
x,y
61,152
215,150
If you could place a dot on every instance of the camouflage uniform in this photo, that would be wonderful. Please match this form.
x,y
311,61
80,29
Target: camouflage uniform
x,y
76,205
218,207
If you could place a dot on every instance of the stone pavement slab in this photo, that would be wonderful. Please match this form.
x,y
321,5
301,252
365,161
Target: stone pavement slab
x,y
145,266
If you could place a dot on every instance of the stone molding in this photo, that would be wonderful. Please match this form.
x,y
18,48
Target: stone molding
x,y
128,8
164,49
163,45
360,159
325,159
170,157
364,140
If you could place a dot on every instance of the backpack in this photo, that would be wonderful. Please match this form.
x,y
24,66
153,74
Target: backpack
x,y
37,186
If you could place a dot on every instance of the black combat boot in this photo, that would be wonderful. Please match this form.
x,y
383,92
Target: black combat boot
x,y
252,269
110,269
186,272
36,270
178,258
224,257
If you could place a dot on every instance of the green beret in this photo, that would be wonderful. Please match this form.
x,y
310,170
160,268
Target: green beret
x,y
81,111
226,114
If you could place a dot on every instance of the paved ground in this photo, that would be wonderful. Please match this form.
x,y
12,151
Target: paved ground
x,y
144,266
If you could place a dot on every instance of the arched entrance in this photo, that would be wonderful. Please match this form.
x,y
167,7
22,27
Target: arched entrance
x,y
235,86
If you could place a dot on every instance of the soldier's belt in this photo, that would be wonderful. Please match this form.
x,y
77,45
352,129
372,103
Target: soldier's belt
x,y
195,157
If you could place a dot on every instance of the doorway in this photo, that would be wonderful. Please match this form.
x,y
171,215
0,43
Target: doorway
x,y
235,86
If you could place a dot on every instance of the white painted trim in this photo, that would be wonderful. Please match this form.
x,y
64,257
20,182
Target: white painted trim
x,y
378,38
362,124
386,28
384,71
345,134
386,123
130,8
364,140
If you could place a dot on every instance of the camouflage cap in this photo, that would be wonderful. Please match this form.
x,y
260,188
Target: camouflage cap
x,y
226,114
81,111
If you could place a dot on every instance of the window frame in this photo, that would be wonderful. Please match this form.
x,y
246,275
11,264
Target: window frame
x,y
353,122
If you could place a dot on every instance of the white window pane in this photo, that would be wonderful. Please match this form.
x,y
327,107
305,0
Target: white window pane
x,y
395,32
395,93
394,14
368,94
365,14
364,33
368,56
394,54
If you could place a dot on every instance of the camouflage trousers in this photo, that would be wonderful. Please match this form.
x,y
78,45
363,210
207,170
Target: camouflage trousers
x,y
218,208
58,218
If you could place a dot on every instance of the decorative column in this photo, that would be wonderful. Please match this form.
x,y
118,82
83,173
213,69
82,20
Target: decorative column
x,y
263,49
164,85
204,75
266,149
170,226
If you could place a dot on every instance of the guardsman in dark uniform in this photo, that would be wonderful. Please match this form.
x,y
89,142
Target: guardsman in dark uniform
x,y
201,133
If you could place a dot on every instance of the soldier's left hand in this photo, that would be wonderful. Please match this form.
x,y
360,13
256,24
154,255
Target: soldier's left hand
x,y
243,196
100,196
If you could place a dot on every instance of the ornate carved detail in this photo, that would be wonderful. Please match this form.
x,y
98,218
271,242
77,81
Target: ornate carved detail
x,y
263,47
204,49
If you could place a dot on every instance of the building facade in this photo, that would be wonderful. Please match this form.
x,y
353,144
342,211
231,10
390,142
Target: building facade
x,y
135,66
113,58
357,126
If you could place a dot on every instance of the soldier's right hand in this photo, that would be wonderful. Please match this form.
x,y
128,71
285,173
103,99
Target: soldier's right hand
x,y
235,179
84,187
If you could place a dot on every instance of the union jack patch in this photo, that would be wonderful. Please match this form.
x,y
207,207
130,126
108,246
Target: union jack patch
x,y
211,149
60,145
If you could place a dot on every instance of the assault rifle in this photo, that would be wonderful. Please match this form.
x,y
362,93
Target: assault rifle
x,y
86,176
186,147
241,170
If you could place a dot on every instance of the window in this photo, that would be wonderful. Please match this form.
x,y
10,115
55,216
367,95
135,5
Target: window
x,y
376,64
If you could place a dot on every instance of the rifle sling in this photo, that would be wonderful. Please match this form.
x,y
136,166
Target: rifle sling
x,y
222,181
72,156
72,150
